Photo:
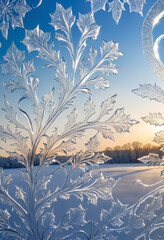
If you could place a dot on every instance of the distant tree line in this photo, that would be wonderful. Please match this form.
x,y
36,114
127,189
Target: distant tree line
x,y
130,152
7,162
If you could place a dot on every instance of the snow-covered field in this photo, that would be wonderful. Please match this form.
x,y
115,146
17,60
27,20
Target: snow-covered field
x,y
128,190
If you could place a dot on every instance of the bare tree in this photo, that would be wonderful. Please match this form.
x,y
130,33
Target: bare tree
x,y
128,149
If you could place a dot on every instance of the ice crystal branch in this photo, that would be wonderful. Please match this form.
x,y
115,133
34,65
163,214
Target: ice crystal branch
x,y
117,7
85,71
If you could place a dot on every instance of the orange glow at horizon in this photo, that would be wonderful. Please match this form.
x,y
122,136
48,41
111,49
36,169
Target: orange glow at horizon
x,y
143,133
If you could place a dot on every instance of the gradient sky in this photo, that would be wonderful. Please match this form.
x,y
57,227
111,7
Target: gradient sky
x,y
133,68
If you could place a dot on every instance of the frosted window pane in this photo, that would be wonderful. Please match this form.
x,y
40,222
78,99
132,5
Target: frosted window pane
x,y
56,64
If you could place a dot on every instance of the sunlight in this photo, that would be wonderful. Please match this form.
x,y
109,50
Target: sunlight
x,y
156,48
158,18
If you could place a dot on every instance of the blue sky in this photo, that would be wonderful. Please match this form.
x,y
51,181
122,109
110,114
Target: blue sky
x,y
133,68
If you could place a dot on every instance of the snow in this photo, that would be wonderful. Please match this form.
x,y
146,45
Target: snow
x,y
128,191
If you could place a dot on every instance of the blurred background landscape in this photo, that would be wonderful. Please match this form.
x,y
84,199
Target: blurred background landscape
x,y
127,153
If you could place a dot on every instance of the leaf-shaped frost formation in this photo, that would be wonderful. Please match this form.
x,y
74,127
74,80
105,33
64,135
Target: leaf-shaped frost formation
x,y
35,39
120,121
110,51
18,141
108,105
148,211
22,8
43,182
108,69
136,5
93,144
62,19
89,29
82,159
99,82
7,179
89,109
10,114
76,216
102,232
14,11
4,218
23,71
6,133
90,156
154,119
93,187
152,159
71,120
149,91
25,177
97,5
83,68
4,26
116,7
14,59
87,26
48,219
113,215
28,70
66,147
92,55
107,133
159,137
20,194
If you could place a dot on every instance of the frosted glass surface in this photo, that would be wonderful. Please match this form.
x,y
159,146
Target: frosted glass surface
x,y
57,64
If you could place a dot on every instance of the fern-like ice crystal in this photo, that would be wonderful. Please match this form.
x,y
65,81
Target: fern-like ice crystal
x,y
35,200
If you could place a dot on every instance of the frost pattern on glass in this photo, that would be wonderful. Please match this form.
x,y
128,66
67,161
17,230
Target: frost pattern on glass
x,y
117,7
33,200
12,12
32,205
155,93
151,46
